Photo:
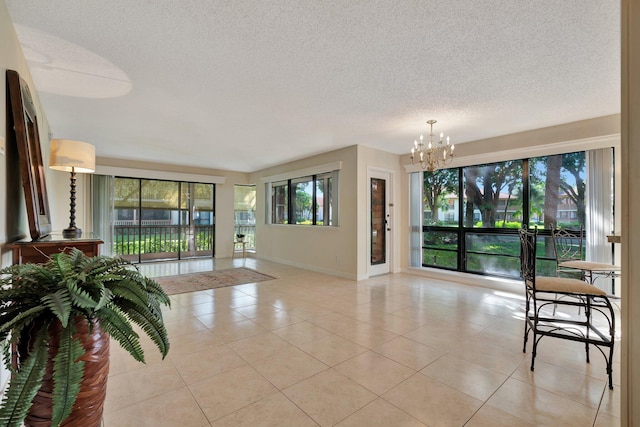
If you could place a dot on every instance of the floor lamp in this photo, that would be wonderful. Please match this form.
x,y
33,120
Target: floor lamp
x,y
76,157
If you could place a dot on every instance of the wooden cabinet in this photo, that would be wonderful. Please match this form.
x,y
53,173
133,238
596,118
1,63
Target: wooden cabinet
x,y
39,251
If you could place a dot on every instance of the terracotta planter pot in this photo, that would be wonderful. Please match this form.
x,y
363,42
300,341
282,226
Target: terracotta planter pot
x,y
87,410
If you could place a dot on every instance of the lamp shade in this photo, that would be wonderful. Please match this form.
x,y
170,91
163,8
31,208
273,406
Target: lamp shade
x,y
69,155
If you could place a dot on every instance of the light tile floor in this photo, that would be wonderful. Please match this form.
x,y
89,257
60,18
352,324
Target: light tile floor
x,y
309,349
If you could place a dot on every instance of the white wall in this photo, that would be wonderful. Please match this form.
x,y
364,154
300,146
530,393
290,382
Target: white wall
x,y
319,248
575,136
343,250
13,219
11,57
376,160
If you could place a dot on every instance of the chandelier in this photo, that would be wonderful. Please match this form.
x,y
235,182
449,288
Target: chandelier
x,y
433,155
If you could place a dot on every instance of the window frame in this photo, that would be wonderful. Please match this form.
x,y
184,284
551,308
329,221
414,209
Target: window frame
x,y
279,207
182,211
465,232
327,175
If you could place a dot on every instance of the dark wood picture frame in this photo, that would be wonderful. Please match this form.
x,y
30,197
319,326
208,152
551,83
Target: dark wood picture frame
x,y
25,126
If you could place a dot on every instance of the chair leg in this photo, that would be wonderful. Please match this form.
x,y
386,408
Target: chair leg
x,y
535,339
612,337
610,368
527,329
526,326
587,313
534,350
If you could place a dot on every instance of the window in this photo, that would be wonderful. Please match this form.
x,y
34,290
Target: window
x,y
493,195
245,213
280,203
323,199
440,196
302,190
156,219
304,200
557,186
470,215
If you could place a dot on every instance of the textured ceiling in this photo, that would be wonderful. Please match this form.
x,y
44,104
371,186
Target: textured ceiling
x,y
247,84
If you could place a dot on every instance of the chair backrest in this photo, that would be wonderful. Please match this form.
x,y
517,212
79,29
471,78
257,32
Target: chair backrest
x,y
567,244
528,240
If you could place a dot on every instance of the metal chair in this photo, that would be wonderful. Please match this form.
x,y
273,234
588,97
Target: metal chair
x,y
544,293
568,247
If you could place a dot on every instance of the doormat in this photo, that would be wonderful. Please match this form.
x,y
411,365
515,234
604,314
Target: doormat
x,y
210,280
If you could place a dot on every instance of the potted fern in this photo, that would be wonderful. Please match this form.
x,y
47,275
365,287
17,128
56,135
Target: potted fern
x,y
55,323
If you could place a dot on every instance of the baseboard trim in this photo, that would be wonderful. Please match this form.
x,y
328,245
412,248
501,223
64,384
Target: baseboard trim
x,y
495,283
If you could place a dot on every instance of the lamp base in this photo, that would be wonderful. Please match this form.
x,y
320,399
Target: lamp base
x,y
72,233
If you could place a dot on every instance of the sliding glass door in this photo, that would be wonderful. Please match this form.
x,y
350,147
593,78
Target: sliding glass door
x,y
154,219
196,219
159,225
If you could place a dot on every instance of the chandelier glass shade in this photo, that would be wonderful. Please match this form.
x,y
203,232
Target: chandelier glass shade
x,y
433,154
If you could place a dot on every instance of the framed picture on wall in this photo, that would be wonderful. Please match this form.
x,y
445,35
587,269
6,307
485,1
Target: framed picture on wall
x,y
25,126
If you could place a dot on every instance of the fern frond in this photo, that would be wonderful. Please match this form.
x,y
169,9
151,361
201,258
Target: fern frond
x,y
60,304
105,298
10,312
28,277
92,285
118,326
60,262
157,290
67,375
80,297
82,277
24,385
29,314
77,259
19,294
125,291
151,324
5,348
102,265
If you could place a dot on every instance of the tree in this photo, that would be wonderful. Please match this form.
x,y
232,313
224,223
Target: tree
x,y
303,202
155,193
552,166
537,178
436,185
126,192
484,185
551,177
575,164
555,176
551,186
511,187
